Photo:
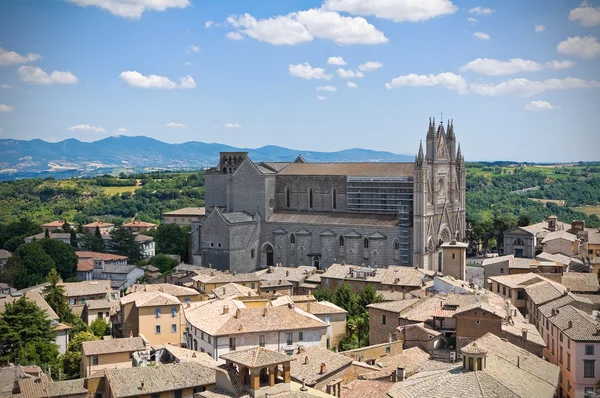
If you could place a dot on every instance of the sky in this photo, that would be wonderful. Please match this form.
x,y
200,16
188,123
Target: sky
x,y
520,79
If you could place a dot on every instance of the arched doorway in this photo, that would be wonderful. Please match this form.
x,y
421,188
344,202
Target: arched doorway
x,y
267,255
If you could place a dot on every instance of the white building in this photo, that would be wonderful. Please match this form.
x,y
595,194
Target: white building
x,y
220,326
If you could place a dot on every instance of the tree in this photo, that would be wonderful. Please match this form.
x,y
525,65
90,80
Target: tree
x,y
29,265
96,243
172,239
99,327
47,233
73,240
124,243
63,255
72,358
163,262
524,220
66,227
54,294
346,298
26,334
369,296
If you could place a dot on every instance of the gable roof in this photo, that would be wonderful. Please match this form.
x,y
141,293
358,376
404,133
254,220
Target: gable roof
x,y
168,288
581,282
112,346
256,357
357,169
516,280
187,211
583,326
307,364
562,234
150,299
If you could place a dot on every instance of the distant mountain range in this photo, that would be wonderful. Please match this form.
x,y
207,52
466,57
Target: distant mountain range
x,y
68,158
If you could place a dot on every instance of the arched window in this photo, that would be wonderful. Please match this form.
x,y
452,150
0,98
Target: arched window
x,y
396,244
310,198
519,242
396,249
292,239
366,243
341,241
334,199
252,253
287,197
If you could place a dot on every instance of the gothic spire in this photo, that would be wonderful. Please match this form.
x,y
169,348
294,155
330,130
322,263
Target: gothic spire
x,y
458,153
431,129
420,155
451,129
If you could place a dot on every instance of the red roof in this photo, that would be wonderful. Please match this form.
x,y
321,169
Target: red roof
x,y
139,224
98,224
84,255
85,265
53,224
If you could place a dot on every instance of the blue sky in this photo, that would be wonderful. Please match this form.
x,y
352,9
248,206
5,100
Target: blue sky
x,y
519,78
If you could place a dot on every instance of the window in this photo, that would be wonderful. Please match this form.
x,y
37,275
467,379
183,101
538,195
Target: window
x,y
568,361
173,328
589,392
83,300
73,301
178,394
560,337
547,324
195,345
94,359
199,389
202,335
157,312
478,322
510,293
261,340
334,199
384,319
290,338
155,396
209,340
157,329
366,243
232,343
588,368
100,315
501,270
173,312
310,198
497,288
187,300
253,285
521,295
453,256
504,290
287,197
560,354
589,349
252,253
568,342
341,241
301,336
292,239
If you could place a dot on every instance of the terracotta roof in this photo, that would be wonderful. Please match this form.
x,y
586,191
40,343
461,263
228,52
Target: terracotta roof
x,y
256,357
593,235
541,229
227,278
561,258
99,225
85,288
54,224
174,290
562,234
71,388
483,306
5,254
292,274
334,218
150,299
101,256
581,282
187,355
583,326
366,389
126,382
358,169
233,290
142,238
307,365
85,265
411,359
187,211
543,292
139,224
546,309
111,346
473,349
321,308
516,280
102,304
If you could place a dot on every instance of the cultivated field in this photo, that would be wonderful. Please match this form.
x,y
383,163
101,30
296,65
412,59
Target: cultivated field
x,y
589,210
119,190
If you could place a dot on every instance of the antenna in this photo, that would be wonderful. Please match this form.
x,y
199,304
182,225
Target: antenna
x,y
442,117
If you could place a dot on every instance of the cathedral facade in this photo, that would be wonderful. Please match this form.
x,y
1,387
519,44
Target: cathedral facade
x,y
300,213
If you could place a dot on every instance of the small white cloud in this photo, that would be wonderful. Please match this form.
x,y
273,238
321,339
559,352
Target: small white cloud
x,y
396,10
234,36
472,20
6,86
6,108
540,28
560,64
86,127
447,80
494,67
481,35
321,98
305,71
132,9
349,74
193,49
336,61
326,88
136,79
121,130
584,47
481,11
352,84
232,126
13,58
33,75
540,106
529,88
586,15
174,125
208,24
370,65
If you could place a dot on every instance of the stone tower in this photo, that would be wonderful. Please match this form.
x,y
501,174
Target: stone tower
x,y
439,195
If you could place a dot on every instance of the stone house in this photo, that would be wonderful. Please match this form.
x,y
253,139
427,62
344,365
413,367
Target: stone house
x,y
110,354
320,368
475,320
185,216
138,226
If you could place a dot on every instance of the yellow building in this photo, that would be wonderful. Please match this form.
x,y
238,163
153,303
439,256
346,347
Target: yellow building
x,y
109,354
184,294
156,316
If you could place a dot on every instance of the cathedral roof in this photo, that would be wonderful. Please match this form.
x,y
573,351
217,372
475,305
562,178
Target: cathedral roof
x,y
334,218
357,169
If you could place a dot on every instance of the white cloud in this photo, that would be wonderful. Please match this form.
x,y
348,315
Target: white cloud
x,y
481,11
6,108
321,98
86,127
529,88
136,79
352,84
326,88
370,65
540,28
305,71
349,74
6,86
13,58
121,130
396,10
208,24
494,67
193,49
132,9
481,35
303,26
586,15
33,75
584,47
472,20
234,36
447,80
174,125
540,106
232,126
336,61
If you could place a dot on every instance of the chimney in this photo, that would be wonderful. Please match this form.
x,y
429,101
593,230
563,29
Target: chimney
x,y
142,385
303,388
306,360
265,312
570,325
188,305
403,295
400,373
524,334
223,290
237,313
308,307
323,368
267,395
194,355
225,309
394,377
287,273
518,362
209,265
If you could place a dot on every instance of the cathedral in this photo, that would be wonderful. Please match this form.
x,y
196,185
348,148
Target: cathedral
x,y
260,214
